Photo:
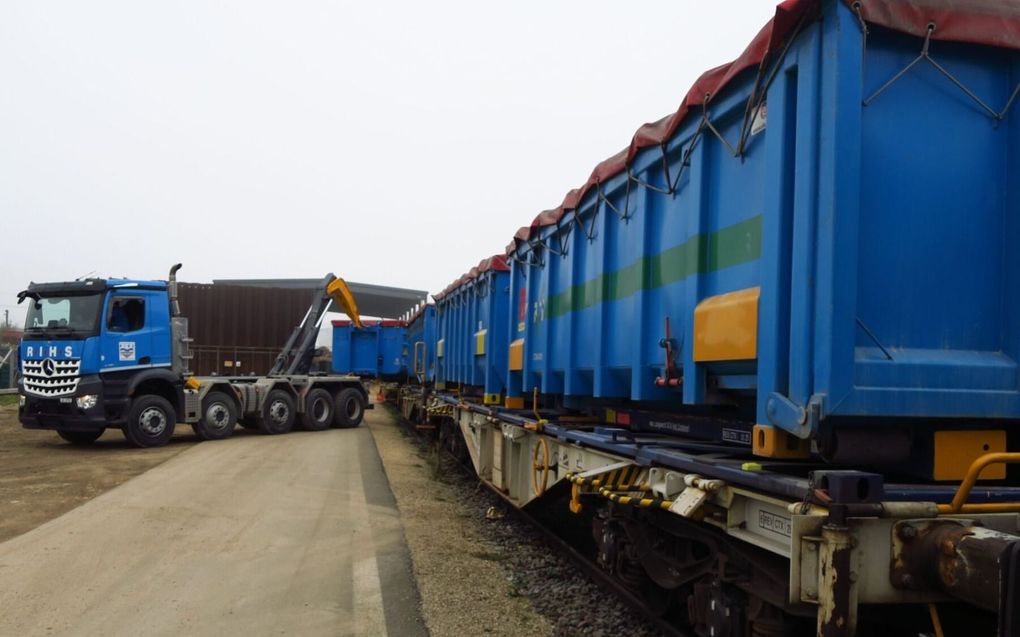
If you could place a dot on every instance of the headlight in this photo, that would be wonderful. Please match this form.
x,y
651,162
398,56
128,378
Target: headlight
x,y
21,401
88,401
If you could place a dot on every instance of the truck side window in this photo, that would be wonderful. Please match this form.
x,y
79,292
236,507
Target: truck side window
x,y
126,315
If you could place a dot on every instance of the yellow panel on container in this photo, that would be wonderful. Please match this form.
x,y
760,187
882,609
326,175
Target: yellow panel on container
x,y
480,342
956,450
726,327
439,348
517,355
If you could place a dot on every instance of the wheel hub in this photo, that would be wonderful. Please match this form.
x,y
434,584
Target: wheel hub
x,y
217,415
278,412
152,421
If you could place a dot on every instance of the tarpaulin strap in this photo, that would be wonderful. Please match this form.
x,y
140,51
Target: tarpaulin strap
x,y
626,198
665,171
534,253
543,243
580,222
601,197
925,56
482,288
563,236
707,123
759,91
686,163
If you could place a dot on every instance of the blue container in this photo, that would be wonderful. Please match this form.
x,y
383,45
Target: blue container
x,y
471,351
421,340
378,350
820,262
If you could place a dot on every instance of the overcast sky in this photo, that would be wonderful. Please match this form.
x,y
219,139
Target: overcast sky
x,y
395,143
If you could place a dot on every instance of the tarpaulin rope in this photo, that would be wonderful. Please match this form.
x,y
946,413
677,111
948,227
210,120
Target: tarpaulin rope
x,y
925,56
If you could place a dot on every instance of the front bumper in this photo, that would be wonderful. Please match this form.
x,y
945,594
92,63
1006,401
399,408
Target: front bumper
x,y
64,414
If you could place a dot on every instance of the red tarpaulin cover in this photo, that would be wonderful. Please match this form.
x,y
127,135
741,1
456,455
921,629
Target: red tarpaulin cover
x,y
496,262
989,22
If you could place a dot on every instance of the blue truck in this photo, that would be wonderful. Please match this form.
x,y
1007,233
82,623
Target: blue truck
x,y
114,353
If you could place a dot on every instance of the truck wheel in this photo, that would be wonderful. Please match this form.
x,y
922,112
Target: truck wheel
x,y
80,437
349,408
219,415
318,410
150,421
277,413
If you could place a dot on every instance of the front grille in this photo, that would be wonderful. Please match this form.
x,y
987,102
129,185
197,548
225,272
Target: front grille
x,y
51,378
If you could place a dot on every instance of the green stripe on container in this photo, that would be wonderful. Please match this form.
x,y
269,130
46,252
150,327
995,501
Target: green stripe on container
x,y
736,244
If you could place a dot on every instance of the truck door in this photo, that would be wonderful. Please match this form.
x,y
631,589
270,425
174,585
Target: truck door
x,y
127,335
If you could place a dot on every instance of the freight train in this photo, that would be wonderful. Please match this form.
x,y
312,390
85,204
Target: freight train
x,y
767,353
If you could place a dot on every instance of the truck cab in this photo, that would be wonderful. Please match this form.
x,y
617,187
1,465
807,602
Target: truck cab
x,y
88,345
113,353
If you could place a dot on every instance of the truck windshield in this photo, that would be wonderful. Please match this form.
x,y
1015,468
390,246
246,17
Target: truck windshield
x,y
64,315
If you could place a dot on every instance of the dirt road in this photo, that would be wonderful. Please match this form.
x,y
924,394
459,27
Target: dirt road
x,y
41,476
256,535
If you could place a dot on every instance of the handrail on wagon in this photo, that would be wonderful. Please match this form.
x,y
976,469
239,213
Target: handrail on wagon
x,y
959,503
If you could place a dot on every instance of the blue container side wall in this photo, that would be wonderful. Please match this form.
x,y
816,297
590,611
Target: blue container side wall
x,y
482,303
374,350
888,216
423,330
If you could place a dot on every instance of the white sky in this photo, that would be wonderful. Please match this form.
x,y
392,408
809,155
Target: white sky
x,y
395,143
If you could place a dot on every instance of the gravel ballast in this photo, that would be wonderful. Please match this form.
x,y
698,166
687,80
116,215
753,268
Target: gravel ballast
x,y
482,570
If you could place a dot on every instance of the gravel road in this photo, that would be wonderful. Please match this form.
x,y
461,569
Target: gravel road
x,y
255,535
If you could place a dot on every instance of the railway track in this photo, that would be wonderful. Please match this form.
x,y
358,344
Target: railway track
x,y
557,542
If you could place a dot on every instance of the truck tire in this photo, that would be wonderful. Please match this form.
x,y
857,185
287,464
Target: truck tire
x,y
349,408
80,437
150,421
277,413
219,416
318,410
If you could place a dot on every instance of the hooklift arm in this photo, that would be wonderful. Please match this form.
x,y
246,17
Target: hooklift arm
x,y
297,353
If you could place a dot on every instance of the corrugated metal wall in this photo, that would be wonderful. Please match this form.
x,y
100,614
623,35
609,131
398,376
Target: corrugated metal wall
x,y
239,330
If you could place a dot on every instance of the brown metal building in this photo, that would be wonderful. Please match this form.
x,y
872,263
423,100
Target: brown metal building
x,y
239,326
239,330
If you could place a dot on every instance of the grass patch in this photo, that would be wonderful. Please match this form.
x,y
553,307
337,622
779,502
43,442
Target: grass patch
x,y
8,401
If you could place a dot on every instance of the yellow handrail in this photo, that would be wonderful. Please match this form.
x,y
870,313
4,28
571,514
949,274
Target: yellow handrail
x,y
959,503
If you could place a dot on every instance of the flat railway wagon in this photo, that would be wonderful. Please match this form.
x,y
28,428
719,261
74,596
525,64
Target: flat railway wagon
x,y
766,356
